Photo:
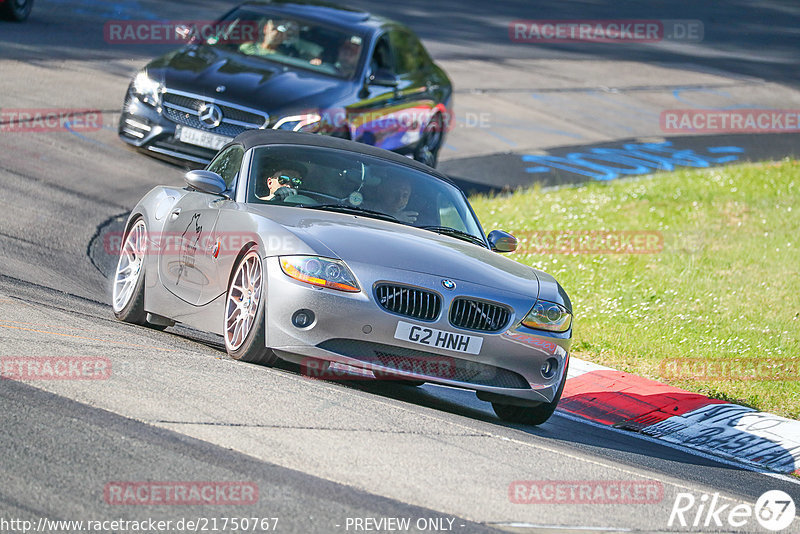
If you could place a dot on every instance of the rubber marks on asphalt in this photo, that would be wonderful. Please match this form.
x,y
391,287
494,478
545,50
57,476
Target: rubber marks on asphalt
x,y
733,431
630,402
86,338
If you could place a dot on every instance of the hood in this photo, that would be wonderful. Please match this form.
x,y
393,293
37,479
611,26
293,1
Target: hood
x,y
364,240
249,81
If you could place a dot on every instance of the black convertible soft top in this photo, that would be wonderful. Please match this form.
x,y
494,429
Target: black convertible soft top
x,y
253,138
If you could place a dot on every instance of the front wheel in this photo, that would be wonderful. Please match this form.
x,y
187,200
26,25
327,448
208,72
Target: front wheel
x,y
16,10
127,298
431,141
530,415
244,313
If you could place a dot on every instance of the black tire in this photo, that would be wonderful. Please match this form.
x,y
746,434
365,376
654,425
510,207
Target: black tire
x,y
430,143
253,349
412,383
530,415
16,10
405,382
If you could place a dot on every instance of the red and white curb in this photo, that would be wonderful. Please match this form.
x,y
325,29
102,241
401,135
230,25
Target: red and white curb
x,y
715,427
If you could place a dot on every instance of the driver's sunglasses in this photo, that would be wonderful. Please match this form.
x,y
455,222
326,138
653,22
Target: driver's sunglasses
x,y
288,180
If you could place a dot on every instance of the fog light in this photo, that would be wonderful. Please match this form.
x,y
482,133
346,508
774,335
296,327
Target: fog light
x,y
549,368
303,318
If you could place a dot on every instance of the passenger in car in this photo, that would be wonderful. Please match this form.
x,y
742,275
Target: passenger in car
x,y
347,57
395,195
274,34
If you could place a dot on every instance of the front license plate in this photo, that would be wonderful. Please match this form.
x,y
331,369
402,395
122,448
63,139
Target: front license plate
x,y
197,137
439,339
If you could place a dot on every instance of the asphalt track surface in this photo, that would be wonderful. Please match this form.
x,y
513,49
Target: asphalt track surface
x,y
175,408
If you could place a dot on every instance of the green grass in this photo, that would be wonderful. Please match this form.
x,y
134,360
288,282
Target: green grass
x,y
725,286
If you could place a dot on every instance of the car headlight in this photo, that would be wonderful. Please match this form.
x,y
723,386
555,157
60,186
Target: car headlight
x,y
147,89
318,271
308,122
548,316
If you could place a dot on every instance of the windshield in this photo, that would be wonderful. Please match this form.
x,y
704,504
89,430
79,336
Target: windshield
x,y
290,41
335,180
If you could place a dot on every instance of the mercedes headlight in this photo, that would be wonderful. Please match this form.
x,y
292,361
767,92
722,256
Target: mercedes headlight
x,y
147,90
318,271
548,316
308,122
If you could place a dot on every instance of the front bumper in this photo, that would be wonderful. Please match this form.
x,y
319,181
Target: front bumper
x,y
353,329
145,128
151,130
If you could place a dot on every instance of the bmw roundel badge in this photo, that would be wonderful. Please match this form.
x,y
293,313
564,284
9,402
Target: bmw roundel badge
x,y
448,284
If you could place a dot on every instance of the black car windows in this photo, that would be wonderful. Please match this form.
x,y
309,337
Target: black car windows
x,y
382,56
227,165
294,42
338,180
410,55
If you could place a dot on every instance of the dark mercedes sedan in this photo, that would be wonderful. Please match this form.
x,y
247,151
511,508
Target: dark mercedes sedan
x,y
294,65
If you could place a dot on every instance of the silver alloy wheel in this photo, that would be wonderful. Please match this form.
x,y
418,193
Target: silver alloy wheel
x,y
244,297
129,266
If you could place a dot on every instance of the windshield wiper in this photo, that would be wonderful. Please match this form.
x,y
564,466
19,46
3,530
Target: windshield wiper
x,y
447,230
351,209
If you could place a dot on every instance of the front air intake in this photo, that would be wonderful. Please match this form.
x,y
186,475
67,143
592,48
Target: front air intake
x,y
408,301
479,315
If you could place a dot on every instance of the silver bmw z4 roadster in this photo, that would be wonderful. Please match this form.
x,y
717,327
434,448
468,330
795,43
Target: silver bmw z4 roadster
x,y
315,250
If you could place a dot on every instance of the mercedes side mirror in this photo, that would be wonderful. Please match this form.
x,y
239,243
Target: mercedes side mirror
x,y
186,33
383,78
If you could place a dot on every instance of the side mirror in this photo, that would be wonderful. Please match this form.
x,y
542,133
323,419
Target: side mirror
x,y
502,241
185,33
383,78
206,181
